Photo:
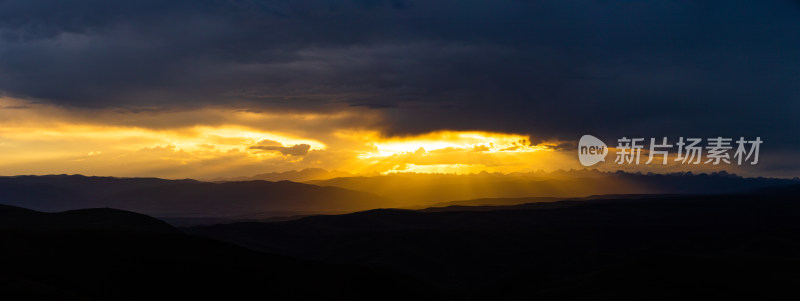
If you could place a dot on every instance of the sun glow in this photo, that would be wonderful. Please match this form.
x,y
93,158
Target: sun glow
x,y
456,152
443,141
42,139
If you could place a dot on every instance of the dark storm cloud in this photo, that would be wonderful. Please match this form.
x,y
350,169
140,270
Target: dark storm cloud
x,y
553,69
294,150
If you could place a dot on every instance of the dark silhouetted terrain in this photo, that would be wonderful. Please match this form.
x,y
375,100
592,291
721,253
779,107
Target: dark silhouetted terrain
x,y
108,254
605,247
308,174
641,248
82,219
426,189
187,202
185,198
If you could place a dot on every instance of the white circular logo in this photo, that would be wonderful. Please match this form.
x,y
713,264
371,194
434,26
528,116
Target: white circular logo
x,y
591,150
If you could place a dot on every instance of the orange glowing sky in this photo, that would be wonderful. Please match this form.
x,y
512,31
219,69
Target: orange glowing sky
x,y
222,142
231,88
209,142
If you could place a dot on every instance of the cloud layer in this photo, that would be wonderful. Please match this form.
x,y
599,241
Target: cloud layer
x,y
554,70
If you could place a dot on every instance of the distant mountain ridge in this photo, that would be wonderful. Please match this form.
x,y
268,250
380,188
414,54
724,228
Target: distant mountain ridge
x,y
260,199
179,197
308,174
426,189
486,204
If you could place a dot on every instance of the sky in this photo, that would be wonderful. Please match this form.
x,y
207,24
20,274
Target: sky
x,y
205,89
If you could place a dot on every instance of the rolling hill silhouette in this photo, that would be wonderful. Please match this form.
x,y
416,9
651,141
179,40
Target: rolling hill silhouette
x,y
180,197
110,254
190,201
15,218
620,247
425,189
654,248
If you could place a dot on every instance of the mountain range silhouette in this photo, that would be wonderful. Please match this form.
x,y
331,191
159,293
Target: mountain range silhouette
x,y
602,247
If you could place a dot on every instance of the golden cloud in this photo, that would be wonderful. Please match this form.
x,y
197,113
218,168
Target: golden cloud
x,y
223,142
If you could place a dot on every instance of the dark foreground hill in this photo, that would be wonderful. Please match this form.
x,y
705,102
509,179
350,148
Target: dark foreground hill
x,y
663,248
193,202
101,219
115,255
161,197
